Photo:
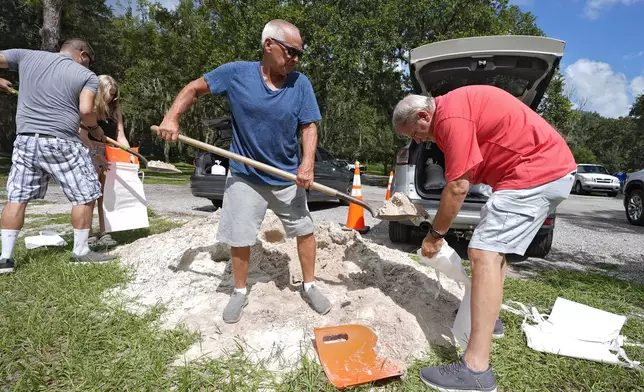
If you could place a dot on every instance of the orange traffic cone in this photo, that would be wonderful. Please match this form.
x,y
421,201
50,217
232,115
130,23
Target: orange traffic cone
x,y
391,177
355,220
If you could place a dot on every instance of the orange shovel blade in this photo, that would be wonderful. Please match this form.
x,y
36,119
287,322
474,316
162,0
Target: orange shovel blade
x,y
348,357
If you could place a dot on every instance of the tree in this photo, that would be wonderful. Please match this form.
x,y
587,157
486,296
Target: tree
x,y
50,31
556,108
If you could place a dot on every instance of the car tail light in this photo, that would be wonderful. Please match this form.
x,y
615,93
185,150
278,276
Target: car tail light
x,y
549,221
403,156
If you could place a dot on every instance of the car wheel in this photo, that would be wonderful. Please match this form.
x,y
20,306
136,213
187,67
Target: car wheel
x,y
578,189
399,233
612,194
540,246
216,203
634,207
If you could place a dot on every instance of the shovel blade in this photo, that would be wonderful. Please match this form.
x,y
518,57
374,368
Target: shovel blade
x,y
348,357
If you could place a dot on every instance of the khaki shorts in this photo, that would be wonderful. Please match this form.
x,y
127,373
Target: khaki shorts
x,y
511,218
245,204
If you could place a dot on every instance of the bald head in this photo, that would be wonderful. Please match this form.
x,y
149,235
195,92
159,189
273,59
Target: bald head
x,y
80,50
279,29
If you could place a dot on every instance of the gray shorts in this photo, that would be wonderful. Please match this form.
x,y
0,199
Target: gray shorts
x,y
511,218
35,160
245,205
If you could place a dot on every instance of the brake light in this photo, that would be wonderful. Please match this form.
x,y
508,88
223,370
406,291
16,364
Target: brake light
x,y
549,221
403,156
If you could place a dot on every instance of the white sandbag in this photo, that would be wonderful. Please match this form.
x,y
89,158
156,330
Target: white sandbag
x,y
576,330
46,238
124,203
448,262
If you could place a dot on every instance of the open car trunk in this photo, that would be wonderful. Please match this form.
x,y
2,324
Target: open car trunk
x,y
521,65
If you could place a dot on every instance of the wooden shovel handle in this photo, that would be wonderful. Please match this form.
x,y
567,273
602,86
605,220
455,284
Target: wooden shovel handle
x,y
267,168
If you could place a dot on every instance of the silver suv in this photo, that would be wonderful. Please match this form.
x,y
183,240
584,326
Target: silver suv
x,y
634,198
522,65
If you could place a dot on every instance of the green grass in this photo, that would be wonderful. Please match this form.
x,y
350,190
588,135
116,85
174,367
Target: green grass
x,y
57,333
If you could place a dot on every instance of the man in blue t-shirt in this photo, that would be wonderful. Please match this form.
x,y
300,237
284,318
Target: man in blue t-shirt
x,y
269,104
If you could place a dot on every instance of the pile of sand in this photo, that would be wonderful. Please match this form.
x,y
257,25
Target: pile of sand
x,y
384,289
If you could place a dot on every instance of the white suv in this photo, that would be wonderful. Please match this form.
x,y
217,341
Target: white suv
x,y
595,178
522,65
634,198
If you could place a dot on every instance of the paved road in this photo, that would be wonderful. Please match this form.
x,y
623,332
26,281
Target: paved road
x,y
591,231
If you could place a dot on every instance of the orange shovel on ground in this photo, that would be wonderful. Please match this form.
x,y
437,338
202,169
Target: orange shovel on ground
x,y
348,357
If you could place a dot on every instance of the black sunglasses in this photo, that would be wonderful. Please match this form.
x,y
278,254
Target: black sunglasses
x,y
291,51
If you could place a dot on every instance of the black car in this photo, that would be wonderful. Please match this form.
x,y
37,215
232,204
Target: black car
x,y
329,170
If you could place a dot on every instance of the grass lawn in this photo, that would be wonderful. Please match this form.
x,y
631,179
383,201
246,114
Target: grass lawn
x,y
58,333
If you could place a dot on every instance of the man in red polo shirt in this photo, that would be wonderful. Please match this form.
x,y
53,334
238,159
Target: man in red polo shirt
x,y
488,137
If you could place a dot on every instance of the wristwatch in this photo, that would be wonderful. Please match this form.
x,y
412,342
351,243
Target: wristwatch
x,y
435,233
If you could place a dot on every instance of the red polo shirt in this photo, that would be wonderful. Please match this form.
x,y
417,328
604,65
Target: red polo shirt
x,y
498,139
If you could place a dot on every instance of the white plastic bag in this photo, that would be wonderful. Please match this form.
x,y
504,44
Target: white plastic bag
x,y
124,203
449,263
576,330
46,238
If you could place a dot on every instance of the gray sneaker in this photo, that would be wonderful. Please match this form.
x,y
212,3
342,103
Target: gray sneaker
x,y
233,311
91,258
457,377
6,266
316,299
499,329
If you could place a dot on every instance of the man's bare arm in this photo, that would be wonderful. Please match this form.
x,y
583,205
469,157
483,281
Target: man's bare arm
x,y
305,173
169,128
452,199
3,62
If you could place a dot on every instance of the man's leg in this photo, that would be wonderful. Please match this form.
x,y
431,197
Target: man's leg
x,y
488,274
13,218
306,252
242,212
26,182
240,261
290,205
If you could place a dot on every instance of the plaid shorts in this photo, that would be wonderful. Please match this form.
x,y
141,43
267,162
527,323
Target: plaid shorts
x,y
36,159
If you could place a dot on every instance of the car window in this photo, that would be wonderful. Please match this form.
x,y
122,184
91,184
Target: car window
x,y
325,156
592,169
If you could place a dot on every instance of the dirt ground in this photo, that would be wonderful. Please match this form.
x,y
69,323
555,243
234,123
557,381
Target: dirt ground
x,y
189,272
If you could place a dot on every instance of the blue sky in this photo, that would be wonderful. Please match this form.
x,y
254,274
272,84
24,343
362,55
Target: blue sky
x,y
604,57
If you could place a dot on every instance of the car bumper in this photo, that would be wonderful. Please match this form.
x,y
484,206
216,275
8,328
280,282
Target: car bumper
x,y
600,187
210,187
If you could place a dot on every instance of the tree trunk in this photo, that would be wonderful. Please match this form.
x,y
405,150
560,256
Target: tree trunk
x,y
51,21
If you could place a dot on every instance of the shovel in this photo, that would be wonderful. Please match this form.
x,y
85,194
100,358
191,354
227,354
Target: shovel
x,y
269,169
417,215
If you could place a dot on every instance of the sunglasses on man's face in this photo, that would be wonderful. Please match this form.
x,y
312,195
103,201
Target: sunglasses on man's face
x,y
290,51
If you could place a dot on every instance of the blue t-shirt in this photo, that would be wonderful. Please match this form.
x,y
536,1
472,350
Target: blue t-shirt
x,y
265,122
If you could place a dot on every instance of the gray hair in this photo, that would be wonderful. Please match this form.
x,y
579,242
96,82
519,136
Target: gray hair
x,y
408,107
275,29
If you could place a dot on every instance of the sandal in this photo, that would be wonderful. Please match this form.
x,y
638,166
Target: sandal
x,y
106,240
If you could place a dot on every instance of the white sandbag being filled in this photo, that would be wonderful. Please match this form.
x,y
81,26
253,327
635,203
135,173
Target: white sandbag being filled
x,y
124,203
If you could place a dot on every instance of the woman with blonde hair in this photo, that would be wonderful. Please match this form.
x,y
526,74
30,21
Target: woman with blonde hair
x,y
110,118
